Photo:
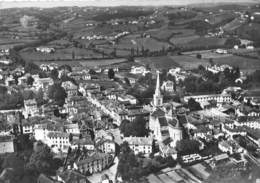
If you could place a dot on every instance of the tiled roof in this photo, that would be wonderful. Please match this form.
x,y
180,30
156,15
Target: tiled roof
x,y
58,134
83,141
163,121
94,157
158,113
139,140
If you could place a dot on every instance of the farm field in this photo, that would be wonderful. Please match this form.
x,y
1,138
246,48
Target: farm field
x,y
183,40
164,62
84,63
206,54
188,62
60,54
211,41
94,63
134,41
109,49
161,34
124,45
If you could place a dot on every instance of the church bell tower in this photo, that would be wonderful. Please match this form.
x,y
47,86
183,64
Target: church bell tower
x,y
157,97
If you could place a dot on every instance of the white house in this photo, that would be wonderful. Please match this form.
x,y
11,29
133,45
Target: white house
x,y
59,140
42,83
45,50
106,145
168,86
30,108
127,98
140,144
216,69
83,142
139,70
72,128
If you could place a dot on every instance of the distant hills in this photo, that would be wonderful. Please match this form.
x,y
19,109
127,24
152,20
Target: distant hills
x,y
56,3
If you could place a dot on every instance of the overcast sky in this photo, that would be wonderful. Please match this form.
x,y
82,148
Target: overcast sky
x,y
55,3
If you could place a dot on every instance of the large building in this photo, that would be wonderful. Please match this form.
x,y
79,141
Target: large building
x,y
140,144
163,123
30,108
220,98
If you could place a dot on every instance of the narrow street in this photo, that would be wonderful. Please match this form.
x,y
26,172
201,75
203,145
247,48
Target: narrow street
x,y
111,172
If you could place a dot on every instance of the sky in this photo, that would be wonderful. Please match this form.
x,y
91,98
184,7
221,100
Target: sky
x,y
56,3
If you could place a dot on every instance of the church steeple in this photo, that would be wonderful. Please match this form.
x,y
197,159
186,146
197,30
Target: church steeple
x,y
157,97
157,89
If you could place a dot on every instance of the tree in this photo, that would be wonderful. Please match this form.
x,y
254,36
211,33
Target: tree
x,y
136,128
73,55
54,74
57,93
65,67
41,161
31,68
30,80
28,94
127,81
232,41
124,124
92,72
111,73
199,56
128,164
193,105
40,97
186,146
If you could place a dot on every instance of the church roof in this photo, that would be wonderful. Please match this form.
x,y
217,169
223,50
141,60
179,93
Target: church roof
x,y
158,113
163,121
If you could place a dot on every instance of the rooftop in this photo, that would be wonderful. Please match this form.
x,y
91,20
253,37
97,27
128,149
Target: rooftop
x,y
139,140
58,134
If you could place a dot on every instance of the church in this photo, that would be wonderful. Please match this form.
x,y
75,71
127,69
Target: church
x,y
163,122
